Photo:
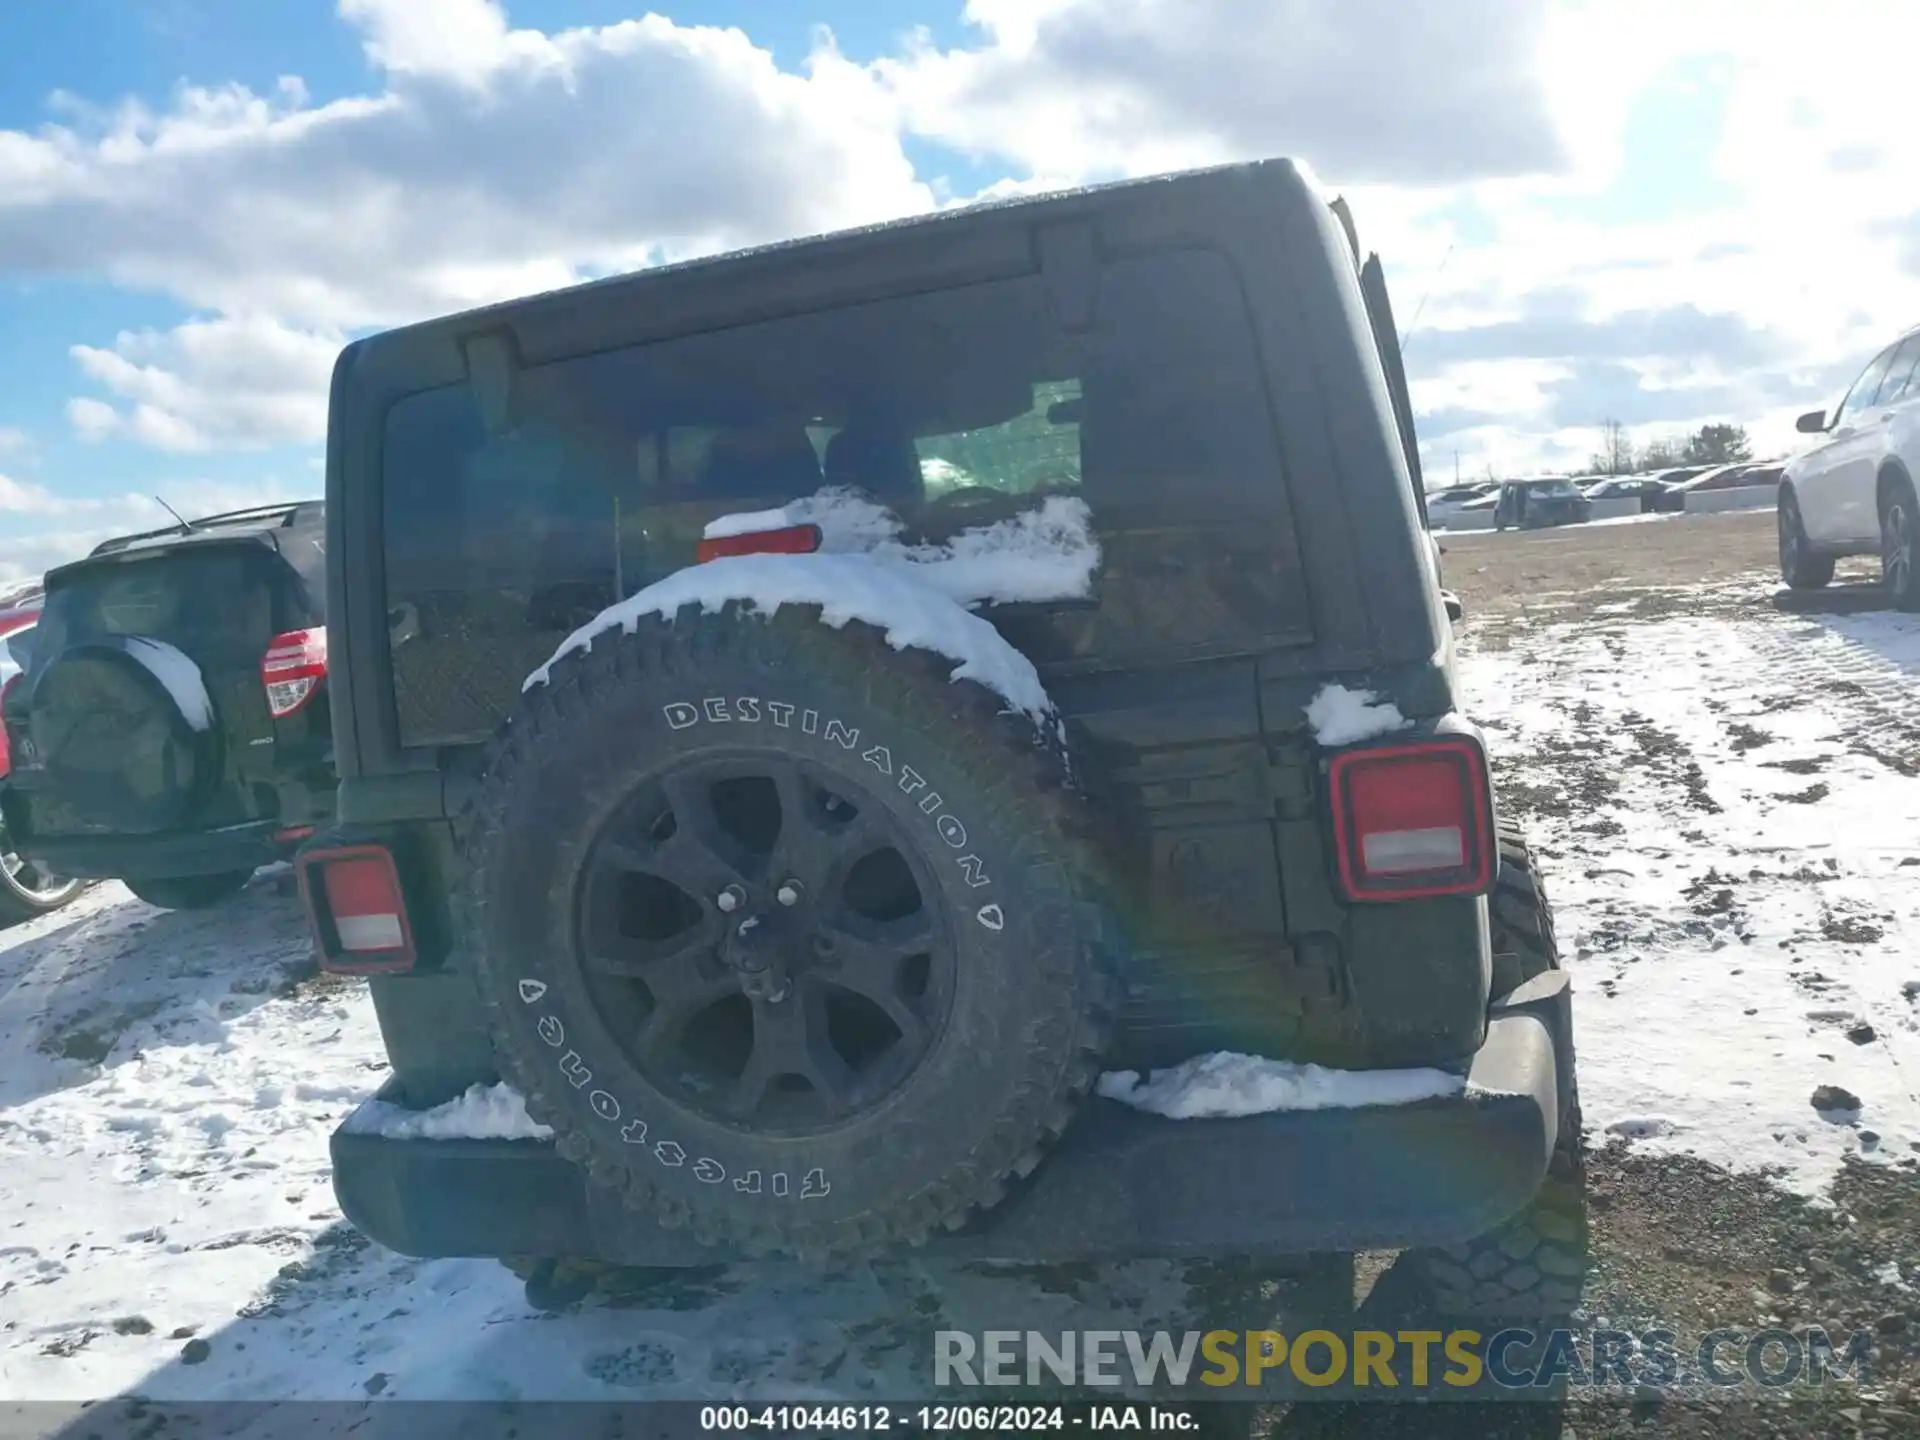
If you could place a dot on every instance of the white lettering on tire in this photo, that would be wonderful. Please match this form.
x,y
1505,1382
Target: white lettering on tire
x,y
782,714
531,991
716,707
991,916
680,715
747,708
879,759
951,831
669,1153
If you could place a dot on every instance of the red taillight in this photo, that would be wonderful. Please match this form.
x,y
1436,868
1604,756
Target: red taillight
x,y
1413,821
292,669
792,540
357,910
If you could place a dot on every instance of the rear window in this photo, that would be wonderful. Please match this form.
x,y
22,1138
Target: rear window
x,y
950,407
217,604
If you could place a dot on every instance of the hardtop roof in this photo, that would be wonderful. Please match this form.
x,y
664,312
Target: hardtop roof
x,y
939,230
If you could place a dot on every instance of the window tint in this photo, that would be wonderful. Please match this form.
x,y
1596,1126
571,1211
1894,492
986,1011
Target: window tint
x,y
216,604
1899,377
1866,388
953,408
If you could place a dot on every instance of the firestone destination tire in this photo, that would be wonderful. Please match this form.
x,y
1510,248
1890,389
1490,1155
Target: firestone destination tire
x,y
790,938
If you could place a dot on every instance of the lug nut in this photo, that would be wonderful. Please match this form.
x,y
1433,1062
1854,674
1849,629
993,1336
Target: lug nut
x,y
730,899
790,892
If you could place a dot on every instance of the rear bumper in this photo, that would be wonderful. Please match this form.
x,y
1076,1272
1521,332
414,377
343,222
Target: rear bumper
x,y
1121,1184
162,857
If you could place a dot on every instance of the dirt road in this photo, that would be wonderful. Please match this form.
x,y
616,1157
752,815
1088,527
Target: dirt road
x,y
1655,565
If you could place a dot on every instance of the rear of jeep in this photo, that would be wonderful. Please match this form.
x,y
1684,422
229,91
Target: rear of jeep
x,y
795,937
170,728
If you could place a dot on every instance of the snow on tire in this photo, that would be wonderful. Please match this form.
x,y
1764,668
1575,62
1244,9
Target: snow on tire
x,y
791,938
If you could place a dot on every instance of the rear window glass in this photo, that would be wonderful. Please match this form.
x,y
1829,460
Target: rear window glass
x,y
949,407
217,605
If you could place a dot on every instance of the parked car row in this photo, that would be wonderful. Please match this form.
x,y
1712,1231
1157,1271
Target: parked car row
x,y
1560,500
163,717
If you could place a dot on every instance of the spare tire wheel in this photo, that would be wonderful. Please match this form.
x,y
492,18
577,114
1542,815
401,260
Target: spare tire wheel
x,y
790,938
125,733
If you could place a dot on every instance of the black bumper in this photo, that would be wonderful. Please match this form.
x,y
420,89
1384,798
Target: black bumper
x,y
162,857
1121,1184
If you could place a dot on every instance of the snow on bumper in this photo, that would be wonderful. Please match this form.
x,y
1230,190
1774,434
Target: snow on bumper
x,y
1123,1183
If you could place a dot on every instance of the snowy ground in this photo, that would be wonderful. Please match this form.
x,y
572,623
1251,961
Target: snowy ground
x,y
167,1086
1728,811
1726,808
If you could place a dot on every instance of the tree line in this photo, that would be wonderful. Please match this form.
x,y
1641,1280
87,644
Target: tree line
x,y
1717,444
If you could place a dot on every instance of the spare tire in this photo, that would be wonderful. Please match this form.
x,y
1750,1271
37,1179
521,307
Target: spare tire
x,y
124,731
791,939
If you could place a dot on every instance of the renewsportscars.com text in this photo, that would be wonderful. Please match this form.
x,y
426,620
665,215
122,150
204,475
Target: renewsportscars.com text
x,y
1514,1358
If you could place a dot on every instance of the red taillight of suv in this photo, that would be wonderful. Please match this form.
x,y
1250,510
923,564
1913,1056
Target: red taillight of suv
x,y
788,540
356,910
1411,822
292,669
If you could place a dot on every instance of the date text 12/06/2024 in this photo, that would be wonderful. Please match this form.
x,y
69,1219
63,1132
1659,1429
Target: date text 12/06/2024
x,y
945,1419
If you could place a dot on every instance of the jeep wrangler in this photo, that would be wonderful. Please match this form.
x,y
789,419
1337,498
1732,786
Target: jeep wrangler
x,y
170,727
738,760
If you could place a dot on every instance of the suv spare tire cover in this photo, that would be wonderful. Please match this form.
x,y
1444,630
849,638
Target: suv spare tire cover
x,y
124,730
976,887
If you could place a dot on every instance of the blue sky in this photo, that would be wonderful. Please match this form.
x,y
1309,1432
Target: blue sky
x,y
1632,210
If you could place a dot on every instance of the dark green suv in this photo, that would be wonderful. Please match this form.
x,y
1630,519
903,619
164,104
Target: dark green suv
x,y
803,716
170,726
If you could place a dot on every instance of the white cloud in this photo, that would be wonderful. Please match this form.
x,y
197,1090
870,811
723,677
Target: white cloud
x,y
232,383
494,161
458,39
13,440
489,161
1369,89
40,529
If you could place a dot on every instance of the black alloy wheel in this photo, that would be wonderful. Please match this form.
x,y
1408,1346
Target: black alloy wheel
x,y
763,942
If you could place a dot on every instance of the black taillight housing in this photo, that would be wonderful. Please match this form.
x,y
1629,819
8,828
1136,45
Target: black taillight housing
x,y
356,909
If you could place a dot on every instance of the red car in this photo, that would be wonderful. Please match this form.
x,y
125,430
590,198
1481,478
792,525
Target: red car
x,y
26,889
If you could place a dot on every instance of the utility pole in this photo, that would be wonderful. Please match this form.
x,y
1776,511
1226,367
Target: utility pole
x,y
1456,465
